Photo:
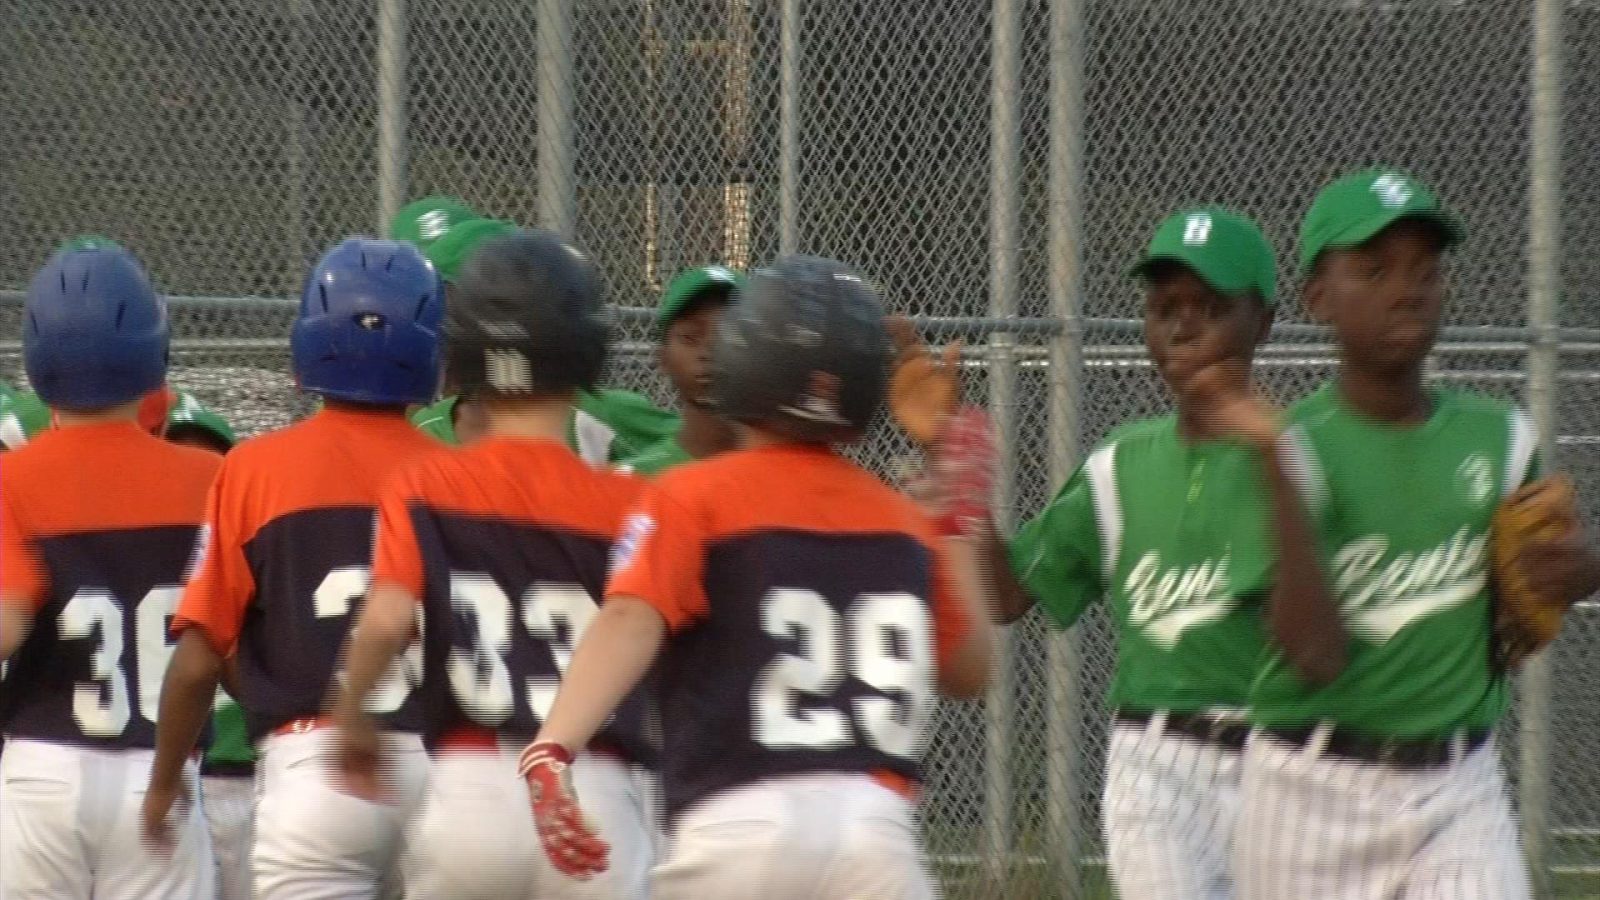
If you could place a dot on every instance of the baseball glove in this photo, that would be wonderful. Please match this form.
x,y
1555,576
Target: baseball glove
x,y
924,388
1525,620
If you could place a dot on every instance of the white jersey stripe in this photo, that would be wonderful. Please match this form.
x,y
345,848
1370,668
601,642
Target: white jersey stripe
x,y
1301,465
594,438
1519,456
1101,467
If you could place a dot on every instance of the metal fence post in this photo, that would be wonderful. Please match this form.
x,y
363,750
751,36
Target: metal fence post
x,y
392,162
789,127
1065,223
294,148
1544,356
1005,124
556,202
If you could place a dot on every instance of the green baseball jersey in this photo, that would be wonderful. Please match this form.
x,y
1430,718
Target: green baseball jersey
x,y
230,741
22,415
607,426
658,457
611,426
1174,535
1402,515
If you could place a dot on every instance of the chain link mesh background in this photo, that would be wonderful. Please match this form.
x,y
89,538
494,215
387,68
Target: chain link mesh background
x,y
228,142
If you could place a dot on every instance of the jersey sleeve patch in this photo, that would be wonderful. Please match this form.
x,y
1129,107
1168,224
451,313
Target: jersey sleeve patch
x,y
636,529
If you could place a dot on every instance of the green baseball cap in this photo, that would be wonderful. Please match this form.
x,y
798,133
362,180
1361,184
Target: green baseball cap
x,y
188,410
90,242
1224,248
689,285
1353,209
451,251
438,420
424,221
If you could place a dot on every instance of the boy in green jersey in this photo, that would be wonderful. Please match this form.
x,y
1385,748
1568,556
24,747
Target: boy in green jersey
x,y
1186,525
1384,780
686,322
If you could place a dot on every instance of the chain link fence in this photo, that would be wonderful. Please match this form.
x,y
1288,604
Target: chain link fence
x,y
995,166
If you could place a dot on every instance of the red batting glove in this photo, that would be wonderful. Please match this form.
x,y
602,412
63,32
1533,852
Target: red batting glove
x,y
573,847
964,465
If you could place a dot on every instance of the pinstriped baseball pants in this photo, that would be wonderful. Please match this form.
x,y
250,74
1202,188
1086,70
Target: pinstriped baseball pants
x,y
1336,829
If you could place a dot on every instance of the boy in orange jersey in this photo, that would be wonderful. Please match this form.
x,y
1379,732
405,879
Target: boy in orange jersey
x,y
98,522
290,535
503,546
802,616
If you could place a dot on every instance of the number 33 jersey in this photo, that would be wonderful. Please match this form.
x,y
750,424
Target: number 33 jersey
x,y
809,606
285,561
505,543
97,531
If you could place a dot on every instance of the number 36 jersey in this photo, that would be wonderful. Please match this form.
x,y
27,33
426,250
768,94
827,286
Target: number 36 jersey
x,y
285,561
809,606
505,543
97,531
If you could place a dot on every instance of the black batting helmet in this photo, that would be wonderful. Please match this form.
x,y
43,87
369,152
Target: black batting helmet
x,y
803,350
526,318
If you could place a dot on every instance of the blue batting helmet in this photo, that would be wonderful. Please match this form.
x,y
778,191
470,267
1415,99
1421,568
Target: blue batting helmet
x,y
94,332
368,329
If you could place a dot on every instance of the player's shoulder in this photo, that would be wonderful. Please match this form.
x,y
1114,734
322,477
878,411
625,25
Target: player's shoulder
x,y
657,458
193,461
1478,407
430,464
1139,435
282,452
725,477
21,467
1315,408
182,472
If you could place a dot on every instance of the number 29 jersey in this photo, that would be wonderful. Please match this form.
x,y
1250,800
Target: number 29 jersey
x,y
809,607
505,543
97,531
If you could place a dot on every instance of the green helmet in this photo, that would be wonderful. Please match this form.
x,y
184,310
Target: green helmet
x,y
189,413
449,254
421,222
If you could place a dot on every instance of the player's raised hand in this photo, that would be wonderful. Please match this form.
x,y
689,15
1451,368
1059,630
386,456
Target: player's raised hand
x,y
155,816
924,388
1227,405
569,841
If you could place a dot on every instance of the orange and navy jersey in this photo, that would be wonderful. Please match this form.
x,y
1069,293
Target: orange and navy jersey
x,y
285,563
505,544
809,607
97,531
